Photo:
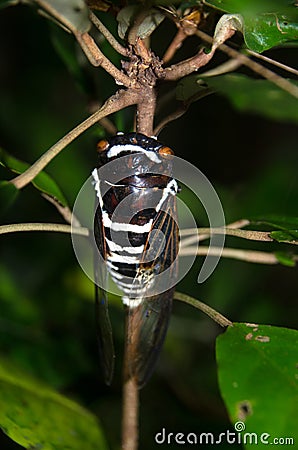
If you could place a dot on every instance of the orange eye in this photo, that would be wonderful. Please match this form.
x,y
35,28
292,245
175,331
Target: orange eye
x,y
102,145
165,151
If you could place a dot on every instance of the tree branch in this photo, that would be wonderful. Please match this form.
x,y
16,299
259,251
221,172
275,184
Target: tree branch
x,y
273,62
188,66
244,234
118,101
251,256
106,33
283,83
215,315
56,227
97,58
130,415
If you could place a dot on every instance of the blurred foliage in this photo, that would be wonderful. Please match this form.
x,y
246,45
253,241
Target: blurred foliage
x,y
46,321
37,417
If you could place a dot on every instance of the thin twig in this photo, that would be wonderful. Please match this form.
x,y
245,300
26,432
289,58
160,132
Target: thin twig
x,y
139,18
228,66
107,34
118,101
174,45
187,66
106,123
97,58
281,82
65,211
215,315
273,62
245,234
262,236
56,227
252,256
181,110
130,415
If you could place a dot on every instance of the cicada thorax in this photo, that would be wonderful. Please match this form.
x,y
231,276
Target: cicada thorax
x,y
137,235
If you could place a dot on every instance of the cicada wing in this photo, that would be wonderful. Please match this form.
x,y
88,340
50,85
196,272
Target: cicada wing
x,y
148,316
147,325
103,324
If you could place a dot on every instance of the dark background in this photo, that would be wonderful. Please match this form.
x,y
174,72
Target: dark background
x,y
46,319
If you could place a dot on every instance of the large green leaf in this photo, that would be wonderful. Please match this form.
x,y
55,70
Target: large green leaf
x,y
258,379
37,417
257,96
267,23
43,182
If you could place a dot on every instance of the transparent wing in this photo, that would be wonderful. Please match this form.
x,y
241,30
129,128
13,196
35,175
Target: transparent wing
x,y
147,323
103,324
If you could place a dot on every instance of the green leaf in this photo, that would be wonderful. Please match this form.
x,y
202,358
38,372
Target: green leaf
x,y
43,182
285,259
275,221
256,96
36,416
281,236
127,15
8,195
72,14
267,23
257,372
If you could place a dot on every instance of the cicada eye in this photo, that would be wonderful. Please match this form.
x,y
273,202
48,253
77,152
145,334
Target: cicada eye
x,y
165,151
102,145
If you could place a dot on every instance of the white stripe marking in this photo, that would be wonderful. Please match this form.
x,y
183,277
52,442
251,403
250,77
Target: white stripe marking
x,y
118,226
117,248
116,275
96,183
131,302
116,149
123,259
112,268
171,188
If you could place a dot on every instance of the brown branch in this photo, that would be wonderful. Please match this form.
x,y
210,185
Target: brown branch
x,y
118,101
188,66
254,66
245,234
97,58
215,315
130,415
174,45
180,110
65,211
56,227
273,62
106,33
251,256
139,18
145,112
